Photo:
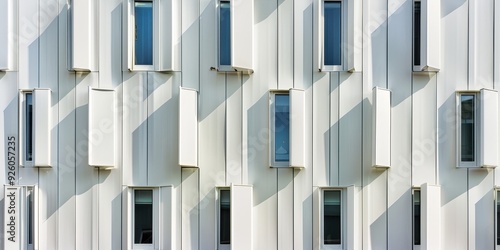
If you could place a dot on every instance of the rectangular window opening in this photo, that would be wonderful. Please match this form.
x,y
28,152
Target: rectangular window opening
x,y
332,33
30,213
225,33
416,32
498,217
281,128
332,219
28,126
225,217
467,127
416,217
143,216
143,14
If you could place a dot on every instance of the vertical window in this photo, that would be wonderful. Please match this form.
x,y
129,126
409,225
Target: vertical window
x,y
498,217
416,32
30,213
281,129
416,217
224,217
28,126
224,33
143,11
467,127
332,18
143,216
332,219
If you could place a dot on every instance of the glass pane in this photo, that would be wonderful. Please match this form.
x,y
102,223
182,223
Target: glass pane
x,y
333,32
30,215
143,216
225,33
29,126
144,33
416,33
281,127
498,217
332,218
467,127
225,217
416,217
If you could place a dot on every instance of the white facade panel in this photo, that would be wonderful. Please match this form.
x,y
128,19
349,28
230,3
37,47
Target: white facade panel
x,y
42,127
488,128
168,42
81,34
297,128
167,219
188,127
430,33
381,156
430,217
242,29
102,127
241,217
4,34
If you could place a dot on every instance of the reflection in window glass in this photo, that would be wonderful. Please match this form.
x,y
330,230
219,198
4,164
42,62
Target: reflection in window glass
x,y
332,32
143,216
143,33
416,217
467,118
29,126
416,33
332,217
225,33
281,127
225,217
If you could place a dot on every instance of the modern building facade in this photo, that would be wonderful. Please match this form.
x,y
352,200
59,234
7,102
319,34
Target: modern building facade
x,y
249,124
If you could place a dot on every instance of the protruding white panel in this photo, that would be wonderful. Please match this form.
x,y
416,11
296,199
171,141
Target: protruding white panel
x,y
4,34
168,27
12,214
430,29
241,217
489,128
188,127
242,12
167,225
41,127
349,39
430,217
297,128
102,127
128,34
126,217
81,35
353,218
381,136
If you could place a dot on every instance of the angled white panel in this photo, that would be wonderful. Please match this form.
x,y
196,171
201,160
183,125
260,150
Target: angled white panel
x,y
188,127
102,128
12,213
353,218
241,217
128,34
242,34
41,127
4,34
297,128
127,217
168,26
381,136
489,128
430,35
430,217
349,39
166,217
81,35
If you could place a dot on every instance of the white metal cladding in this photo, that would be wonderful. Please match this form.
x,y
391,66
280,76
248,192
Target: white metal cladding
x,y
4,34
42,127
381,155
188,127
241,217
430,216
167,218
102,128
242,29
488,128
430,32
83,52
297,128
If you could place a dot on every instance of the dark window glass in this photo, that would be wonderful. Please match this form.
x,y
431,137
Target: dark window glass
x,y
225,217
281,127
416,217
498,217
30,216
416,33
467,127
225,33
143,216
333,32
143,33
332,218
29,126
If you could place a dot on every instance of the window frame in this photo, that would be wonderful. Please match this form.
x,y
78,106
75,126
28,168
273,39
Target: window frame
x,y
218,211
497,217
22,129
136,67
416,67
27,224
343,214
477,121
416,246
221,67
343,38
272,122
156,218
